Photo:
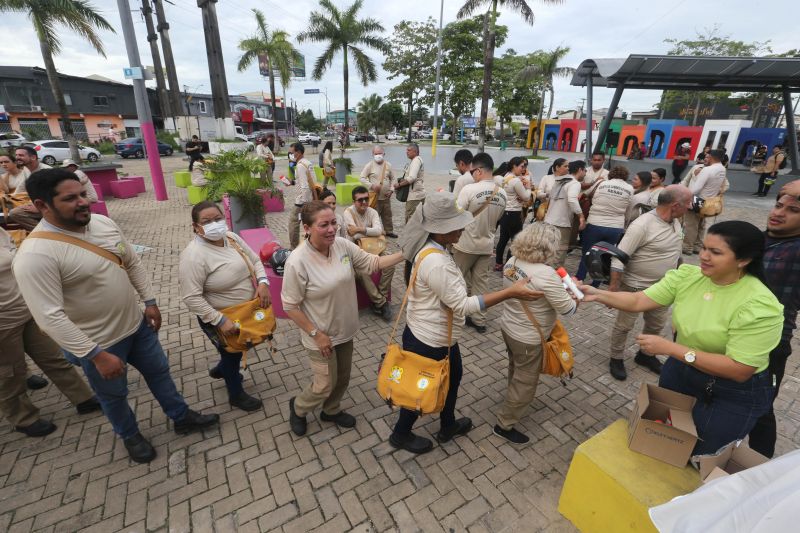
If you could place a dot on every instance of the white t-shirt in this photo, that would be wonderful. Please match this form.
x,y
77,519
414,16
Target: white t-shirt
x,y
478,236
610,203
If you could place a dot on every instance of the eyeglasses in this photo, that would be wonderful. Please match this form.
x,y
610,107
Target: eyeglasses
x,y
473,170
362,200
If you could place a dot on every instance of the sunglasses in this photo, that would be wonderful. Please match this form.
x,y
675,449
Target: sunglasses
x,y
473,170
362,200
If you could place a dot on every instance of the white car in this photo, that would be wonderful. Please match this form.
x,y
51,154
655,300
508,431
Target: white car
x,y
54,151
392,137
308,138
8,140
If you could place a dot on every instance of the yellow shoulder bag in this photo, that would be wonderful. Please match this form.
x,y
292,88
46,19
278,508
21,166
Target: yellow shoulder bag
x,y
557,355
371,245
410,380
373,195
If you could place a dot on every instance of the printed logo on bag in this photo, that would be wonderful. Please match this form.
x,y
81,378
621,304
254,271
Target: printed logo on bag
x,y
396,374
423,383
121,247
345,259
565,356
260,315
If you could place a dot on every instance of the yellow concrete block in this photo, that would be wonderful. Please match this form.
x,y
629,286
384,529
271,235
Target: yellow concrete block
x,y
610,488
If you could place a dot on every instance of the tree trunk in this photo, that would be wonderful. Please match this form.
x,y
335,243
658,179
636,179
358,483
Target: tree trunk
x,y
276,142
539,128
552,99
488,60
58,95
346,74
410,114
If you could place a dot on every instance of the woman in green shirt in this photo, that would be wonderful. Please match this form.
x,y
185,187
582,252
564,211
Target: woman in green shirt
x,y
726,322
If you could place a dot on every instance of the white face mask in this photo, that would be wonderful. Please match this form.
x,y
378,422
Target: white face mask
x,y
291,157
214,231
378,158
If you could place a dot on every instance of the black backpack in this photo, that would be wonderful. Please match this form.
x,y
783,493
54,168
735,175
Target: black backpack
x,y
782,165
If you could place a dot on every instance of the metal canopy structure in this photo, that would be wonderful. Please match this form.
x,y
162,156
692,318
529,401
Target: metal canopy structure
x,y
690,73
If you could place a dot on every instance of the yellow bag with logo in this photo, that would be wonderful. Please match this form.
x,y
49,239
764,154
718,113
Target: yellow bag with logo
x,y
373,245
557,355
410,380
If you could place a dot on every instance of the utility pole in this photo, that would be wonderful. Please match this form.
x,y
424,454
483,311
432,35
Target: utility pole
x,y
438,77
216,66
175,102
152,38
142,104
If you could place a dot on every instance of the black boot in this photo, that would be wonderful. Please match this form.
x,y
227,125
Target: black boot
x,y
617,368
139,449
194,421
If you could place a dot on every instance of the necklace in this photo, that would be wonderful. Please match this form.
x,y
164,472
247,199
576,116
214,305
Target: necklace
x,y
709,294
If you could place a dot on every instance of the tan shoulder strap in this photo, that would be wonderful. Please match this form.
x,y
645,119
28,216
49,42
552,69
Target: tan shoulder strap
x,y
383,172
238,248
485,205
69,239
531,317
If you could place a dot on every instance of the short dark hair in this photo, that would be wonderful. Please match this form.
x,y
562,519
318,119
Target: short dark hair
x,y
517,161
298,147
463,156
717,154
746,242
359,190
645,177
557,163
482,160
661,172
205,204
195,137
42,184
575,166
599,152
325,193
30,149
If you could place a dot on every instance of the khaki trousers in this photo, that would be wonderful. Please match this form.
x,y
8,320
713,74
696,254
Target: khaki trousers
x,y
563,245
27,219
475,269
524,365
693,228
14,343
377,295
294,227
653,325
331,377
385,211
411,206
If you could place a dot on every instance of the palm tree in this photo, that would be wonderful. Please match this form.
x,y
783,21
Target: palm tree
x,y
343,32
82,20
369,113
546,68
489,21
280,55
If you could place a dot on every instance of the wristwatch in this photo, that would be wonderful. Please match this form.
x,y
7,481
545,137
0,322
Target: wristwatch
x,y
313,333
690,357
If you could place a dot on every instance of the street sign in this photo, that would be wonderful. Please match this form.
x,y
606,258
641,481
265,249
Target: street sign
x,y
311,91
133,73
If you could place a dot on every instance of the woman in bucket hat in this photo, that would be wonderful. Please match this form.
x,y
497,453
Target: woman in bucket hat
x,y
439,286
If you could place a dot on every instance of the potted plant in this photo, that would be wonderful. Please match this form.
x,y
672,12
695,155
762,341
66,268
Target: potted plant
x,y
231,173
344,165
272,196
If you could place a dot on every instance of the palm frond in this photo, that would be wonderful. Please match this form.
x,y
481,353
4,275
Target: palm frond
x,y
324,61
563,72
470,7
365,67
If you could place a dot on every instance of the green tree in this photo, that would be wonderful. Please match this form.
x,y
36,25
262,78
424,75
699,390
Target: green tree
x,y
391,114
306,121
512,96
344,32
543,70
279,52
81,19
490,22
412,60
369,113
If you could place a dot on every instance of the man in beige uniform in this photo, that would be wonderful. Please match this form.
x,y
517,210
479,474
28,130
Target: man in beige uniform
x,y
463,161
486,200
653,243
26,216
710,181
564,206
78,273
360,221
19,335
304,178
91,192
413,176
377,176
595,174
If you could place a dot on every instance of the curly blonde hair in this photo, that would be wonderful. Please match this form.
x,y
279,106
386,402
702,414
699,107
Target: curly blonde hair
x,y
538,243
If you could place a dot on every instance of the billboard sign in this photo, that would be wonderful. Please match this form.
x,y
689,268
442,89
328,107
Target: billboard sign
x,y
298,67
469,122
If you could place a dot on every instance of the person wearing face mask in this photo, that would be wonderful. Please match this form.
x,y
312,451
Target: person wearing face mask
x,y
215,272
319,295
377,176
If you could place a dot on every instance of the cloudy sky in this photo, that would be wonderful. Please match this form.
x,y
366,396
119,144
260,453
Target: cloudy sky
x,y
591,28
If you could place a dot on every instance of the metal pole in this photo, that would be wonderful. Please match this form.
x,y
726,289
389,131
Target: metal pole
x,y
142,105
606,124
438,77
791,129
589,91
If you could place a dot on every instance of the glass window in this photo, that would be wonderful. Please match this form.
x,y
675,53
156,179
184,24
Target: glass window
x,y
202,106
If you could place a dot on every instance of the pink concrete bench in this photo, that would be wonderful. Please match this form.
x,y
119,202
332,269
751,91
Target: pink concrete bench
x,y
361,293
275,287
99,208
139,180
124,189
258,237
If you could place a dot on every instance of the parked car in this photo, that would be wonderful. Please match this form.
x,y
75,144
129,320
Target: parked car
x,y
52,151
393,137
309,138
134,147
364,137
8,140
427,134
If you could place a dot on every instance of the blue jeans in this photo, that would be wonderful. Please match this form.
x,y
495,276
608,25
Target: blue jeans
x,y
590,236
725,411
448,415
143,351
229,363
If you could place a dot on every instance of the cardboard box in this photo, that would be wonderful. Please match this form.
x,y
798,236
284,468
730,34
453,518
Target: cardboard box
x,y
672,444
733,458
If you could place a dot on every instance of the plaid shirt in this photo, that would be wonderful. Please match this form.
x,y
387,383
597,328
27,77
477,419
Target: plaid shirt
x,y
782,266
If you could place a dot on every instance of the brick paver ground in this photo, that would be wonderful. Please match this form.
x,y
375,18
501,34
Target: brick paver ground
x,y
252,474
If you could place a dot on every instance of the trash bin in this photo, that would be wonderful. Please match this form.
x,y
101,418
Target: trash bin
x,y
503,145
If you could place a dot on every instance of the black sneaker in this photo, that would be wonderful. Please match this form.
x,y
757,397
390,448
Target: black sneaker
x,y
386,312
216,373
36,382
341,419
297,423
461,427
479,329
89,406
511,435
40,428
194,421
411,443
139,450
648,361
245,402
392,235
617,368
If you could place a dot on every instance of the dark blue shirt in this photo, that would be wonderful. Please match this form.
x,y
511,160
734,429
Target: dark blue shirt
x,y
782,267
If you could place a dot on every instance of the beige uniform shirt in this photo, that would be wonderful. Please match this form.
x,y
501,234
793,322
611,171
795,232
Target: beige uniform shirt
x,y
654,247
545,186
304,177
610,203
371,220
11,184
556,301
13,311
324,288
564,204
709,182
462,181
79,299
327,159
88,186
212,277
263,151
593,175
638,200
478,236
414,173
371,175
516,192
439,285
